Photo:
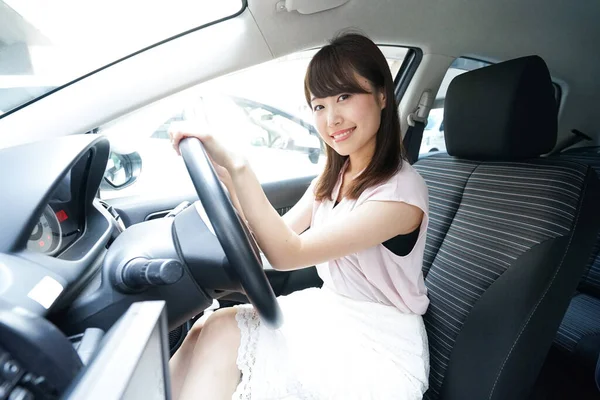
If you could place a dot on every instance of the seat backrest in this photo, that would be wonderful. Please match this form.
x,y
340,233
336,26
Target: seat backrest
x,y
446,178
509,233
590,280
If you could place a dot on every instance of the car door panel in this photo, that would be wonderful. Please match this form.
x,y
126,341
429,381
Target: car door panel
x,y
282,195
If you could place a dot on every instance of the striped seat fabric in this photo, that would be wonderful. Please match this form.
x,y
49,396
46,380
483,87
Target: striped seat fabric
x,y
483,217
590,281
579,333
510,233
581,321
451,176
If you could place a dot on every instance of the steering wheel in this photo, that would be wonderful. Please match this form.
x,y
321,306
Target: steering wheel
x,y
236,241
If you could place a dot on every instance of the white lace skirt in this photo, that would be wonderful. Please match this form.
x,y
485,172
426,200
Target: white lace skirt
x,y
332,347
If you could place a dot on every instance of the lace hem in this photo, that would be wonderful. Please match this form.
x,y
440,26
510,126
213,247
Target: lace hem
x,y
248,323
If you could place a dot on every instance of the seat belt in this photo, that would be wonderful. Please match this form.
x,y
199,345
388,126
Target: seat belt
x,y
417,120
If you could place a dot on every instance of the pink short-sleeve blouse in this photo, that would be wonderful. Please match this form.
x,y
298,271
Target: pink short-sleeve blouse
x,y
376,274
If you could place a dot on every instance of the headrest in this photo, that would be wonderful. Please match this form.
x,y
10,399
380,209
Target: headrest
x,y
506,111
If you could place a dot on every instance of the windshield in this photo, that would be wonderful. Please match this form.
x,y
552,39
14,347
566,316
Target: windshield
x,y
47,44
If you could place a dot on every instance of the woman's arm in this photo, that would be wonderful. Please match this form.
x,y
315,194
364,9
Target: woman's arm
x,y
368,225
299,216
225,179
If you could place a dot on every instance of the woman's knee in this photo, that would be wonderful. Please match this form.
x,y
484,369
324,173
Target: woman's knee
x,y
222,324
221,327
195,330
219,320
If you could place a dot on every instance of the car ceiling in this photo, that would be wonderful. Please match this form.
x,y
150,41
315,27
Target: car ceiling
x,y
564,33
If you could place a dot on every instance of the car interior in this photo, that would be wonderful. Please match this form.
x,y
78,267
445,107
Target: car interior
x,y
96,274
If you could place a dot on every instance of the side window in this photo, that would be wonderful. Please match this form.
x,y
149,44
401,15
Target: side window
x,y
261,111
433,135
280,130
163,131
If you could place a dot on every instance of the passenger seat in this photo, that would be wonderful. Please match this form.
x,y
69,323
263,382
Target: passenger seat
x,y
508,237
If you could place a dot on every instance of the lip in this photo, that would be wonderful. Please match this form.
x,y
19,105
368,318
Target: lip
x,y
341,132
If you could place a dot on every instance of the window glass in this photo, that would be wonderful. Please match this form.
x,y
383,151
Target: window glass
x,y
260,111
51,43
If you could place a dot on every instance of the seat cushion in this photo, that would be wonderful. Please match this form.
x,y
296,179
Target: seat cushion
x,y
590,280
579,333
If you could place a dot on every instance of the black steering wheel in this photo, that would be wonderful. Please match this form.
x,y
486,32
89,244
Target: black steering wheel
x,y
236,241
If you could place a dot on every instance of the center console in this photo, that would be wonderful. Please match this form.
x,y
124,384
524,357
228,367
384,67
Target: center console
x,y
37,361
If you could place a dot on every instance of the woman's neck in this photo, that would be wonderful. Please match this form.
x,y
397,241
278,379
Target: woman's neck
x,y
360,159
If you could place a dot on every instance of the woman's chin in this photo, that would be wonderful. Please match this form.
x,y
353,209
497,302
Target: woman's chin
x,y
342,153
344,149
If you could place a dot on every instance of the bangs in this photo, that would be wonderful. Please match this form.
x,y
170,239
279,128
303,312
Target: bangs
x,y
330,73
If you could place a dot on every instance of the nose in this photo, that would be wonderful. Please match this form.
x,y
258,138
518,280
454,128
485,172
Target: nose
x,y
333,117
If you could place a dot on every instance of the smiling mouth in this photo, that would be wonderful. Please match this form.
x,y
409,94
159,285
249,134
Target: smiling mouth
x,y
338,137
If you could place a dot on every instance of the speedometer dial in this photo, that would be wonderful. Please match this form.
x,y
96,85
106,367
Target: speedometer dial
x,y
47,235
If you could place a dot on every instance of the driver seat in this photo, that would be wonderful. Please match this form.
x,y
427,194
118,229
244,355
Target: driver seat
x,y
509,233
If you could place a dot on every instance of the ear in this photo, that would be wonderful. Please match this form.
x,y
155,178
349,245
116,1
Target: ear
x,y
381,97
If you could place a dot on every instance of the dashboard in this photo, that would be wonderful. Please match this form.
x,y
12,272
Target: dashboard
x,y
54,227
58,226
53,239
61,252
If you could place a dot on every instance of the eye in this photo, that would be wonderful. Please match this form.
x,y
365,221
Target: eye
x,y
343,97
317,107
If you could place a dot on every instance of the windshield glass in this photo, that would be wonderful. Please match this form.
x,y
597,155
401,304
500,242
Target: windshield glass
x,y
47,44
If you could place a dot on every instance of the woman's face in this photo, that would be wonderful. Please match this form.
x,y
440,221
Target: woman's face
x,y
348,122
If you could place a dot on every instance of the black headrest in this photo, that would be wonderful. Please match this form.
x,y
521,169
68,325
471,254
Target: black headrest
x,y
505,111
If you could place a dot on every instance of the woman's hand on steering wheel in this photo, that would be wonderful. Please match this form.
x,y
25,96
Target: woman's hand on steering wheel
x,y
215,150
223,159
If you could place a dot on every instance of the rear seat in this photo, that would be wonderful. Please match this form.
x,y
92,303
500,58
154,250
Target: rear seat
x,y
579,333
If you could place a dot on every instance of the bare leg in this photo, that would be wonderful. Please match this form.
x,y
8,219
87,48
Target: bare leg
x,y
212,371
180,361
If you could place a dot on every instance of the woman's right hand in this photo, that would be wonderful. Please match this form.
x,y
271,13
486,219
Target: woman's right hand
x,y
214,149
218,153
223,160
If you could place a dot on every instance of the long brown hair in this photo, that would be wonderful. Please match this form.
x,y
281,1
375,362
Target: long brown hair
x,y
331,72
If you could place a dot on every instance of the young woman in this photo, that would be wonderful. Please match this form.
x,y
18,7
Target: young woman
x,y
360,336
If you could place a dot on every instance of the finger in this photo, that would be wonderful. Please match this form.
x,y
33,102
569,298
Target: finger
x,y
178,136
175,140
